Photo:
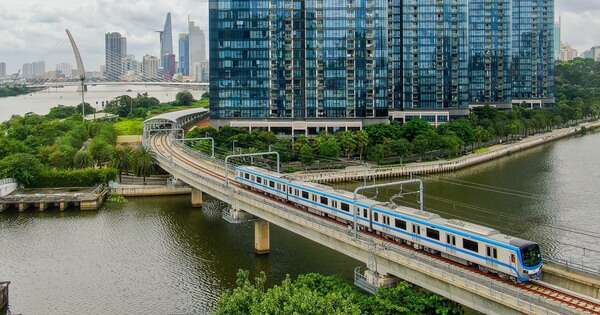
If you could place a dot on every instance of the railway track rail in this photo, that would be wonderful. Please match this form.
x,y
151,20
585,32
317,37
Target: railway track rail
x,y
582,304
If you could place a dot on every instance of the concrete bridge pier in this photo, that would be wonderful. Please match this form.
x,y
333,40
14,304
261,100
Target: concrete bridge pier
x,y
62,206
42,206
262,238
197,198
371,281
3,207
23,206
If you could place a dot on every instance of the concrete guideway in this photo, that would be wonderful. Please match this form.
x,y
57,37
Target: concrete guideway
x,y
458,283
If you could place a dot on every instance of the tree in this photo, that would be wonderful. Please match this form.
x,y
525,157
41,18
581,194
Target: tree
x,y
101,151
400,147
452,144
377,153
347,142
414,128
328,147
122,161
362,142
61,156
23,167
143,162
184,98
83,159
306,154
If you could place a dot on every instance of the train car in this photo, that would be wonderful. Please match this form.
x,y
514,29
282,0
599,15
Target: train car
x,y
456,240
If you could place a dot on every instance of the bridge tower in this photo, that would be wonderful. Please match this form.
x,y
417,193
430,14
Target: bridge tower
x,y
80,69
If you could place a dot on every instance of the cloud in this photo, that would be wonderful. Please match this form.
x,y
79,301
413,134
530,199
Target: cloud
x,y
32,30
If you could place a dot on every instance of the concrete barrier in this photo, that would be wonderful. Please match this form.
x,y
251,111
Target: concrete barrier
x,y
8,186
574,280
150,190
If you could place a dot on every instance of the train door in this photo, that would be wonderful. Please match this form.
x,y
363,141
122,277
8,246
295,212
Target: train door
x,y
416,229
491,256
451,241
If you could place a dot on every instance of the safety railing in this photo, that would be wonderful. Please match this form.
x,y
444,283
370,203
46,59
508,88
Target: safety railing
x,y
7,181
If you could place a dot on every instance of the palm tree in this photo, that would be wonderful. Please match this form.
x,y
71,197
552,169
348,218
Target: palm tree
x,y
122,161
144,163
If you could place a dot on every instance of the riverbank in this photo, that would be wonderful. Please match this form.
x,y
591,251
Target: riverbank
x,y
444,166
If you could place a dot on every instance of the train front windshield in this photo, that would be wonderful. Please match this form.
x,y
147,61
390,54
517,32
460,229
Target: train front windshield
x,y
531,255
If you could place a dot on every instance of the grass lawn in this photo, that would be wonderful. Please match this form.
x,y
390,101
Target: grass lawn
x,y
127,127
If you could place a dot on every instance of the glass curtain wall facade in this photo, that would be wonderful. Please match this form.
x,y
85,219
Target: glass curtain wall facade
x,y
490,46
239,58
435,55
323,59
533,49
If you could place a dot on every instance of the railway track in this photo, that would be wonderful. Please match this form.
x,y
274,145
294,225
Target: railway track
x,y
572,300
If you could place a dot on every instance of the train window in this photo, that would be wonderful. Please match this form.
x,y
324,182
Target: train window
x,y
451,239
324,200
314,198
365,213
284,188
401,224
433,234
305,195
492,252
512,258
278,186
290,190
470,245
247,176
259,180
416,229
272,184
345,207
376,216
334,204
297,192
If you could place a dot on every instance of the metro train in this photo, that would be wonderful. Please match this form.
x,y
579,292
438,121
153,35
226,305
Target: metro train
x,y
462,242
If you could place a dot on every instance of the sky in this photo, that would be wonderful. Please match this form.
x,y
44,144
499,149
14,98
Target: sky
x,y
32,30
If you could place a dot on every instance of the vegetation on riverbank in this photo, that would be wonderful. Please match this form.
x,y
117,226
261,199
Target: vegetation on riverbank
x,y
13,90
319,294
578,98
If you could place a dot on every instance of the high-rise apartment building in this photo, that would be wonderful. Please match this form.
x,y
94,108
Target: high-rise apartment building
x,y
557,38
167,58
64,69
198,44
184,54
150,68
533,60
435,59
39,69
490,46
324,60
567,53
115,53
27,71
2,69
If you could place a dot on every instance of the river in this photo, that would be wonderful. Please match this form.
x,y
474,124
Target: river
x,y
41,102
159,256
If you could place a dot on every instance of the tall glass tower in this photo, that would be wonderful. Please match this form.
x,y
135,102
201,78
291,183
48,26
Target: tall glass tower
x,y
490,46
318,58
435,56
533,51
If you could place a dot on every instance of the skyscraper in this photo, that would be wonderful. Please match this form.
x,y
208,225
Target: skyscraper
x,y
65,69
557,38
533,52
490,46
198,48
435,59
2,69
184,54
115,53
167,58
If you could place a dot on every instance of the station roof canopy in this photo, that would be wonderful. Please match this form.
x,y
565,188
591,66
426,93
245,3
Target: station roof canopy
x,y
176,116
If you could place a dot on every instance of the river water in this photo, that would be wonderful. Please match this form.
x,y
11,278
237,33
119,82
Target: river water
x,y
41,102
160,256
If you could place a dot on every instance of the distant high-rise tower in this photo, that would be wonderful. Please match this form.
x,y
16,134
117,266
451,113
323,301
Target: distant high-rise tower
x,y
39,69
2,69
197,50
557,38
150,68
184,54
115,53
533,52
167,58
